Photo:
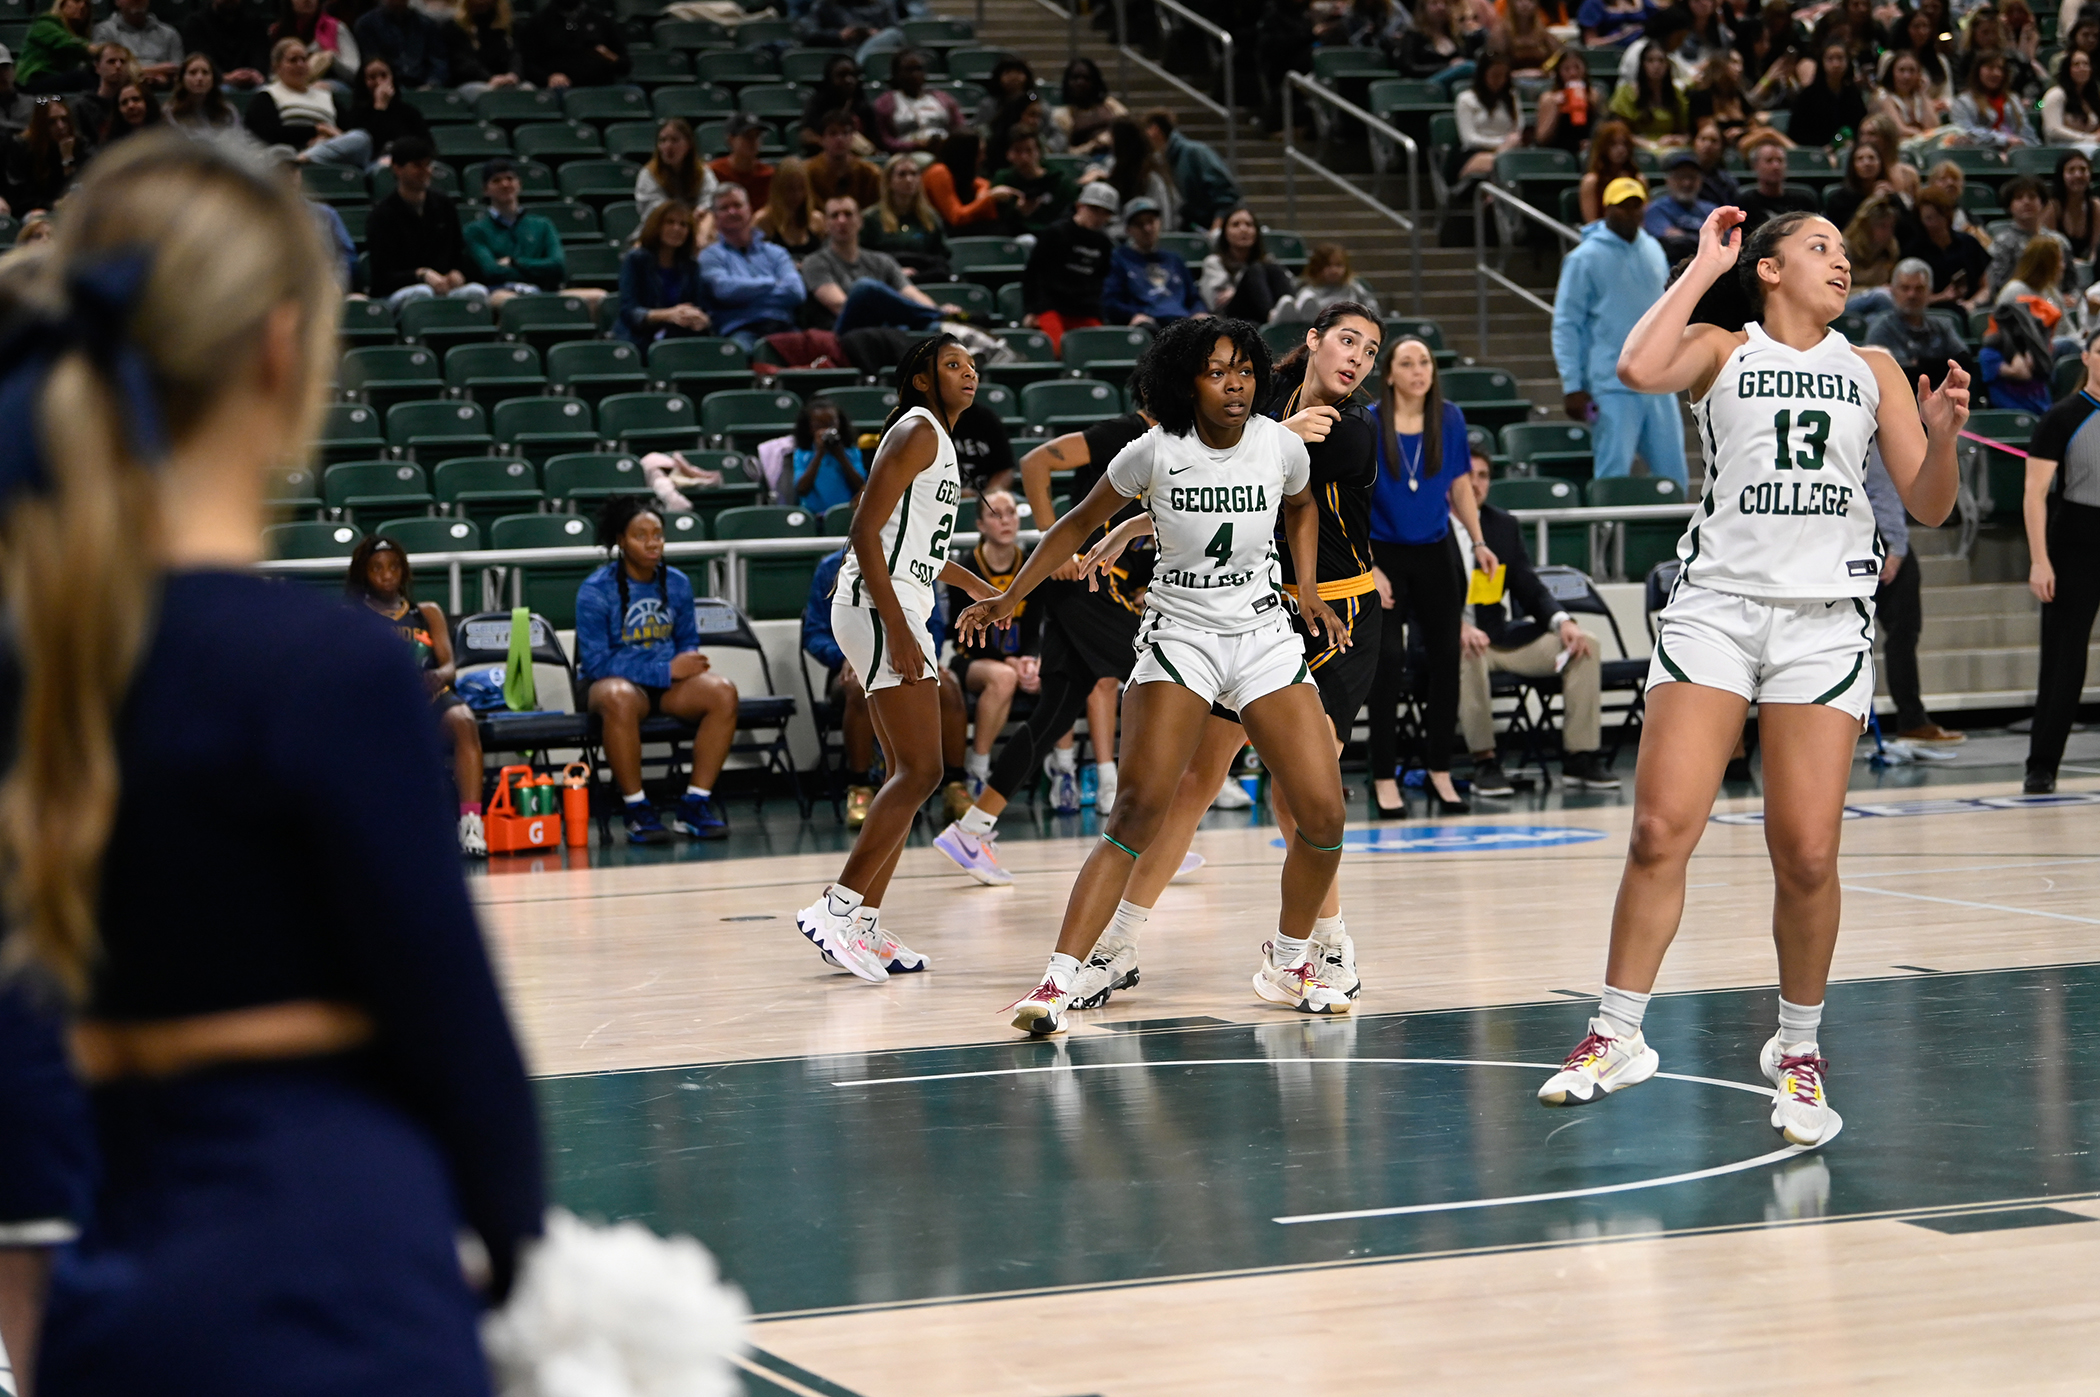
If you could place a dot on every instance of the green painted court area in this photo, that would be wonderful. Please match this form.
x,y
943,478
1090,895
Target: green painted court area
x,y
1179,1150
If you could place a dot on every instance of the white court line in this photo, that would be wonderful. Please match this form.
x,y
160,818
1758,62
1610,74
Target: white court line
x,y
779,1380
1962,868
1980,906
1758,1090
1738,1167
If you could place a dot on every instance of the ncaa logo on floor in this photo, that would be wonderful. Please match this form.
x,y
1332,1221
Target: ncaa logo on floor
x,y
1460,839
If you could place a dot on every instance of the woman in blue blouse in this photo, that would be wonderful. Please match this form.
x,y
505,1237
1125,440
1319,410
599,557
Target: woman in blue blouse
x,y
1422,466
660,278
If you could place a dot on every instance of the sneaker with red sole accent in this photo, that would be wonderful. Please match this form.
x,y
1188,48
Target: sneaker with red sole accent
x,y
974,854
1303,984
1041,1012
1602,1063
1800,1107
841,938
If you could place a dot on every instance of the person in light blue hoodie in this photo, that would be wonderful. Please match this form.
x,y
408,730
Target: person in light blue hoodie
x,y
1607,284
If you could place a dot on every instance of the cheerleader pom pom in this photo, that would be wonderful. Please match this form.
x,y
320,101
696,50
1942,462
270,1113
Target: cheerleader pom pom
x,y
616,1312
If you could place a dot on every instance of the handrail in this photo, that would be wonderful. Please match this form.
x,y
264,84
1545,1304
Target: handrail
x,y
1594,515
1227,58
1068,13
1411,220
1485,193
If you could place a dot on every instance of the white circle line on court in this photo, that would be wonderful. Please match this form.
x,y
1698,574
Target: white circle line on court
x,y
1404,1210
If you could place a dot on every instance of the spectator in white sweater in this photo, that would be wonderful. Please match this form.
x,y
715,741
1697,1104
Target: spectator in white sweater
x,y
1490,119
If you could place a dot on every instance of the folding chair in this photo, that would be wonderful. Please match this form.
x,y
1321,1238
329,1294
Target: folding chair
x,y
1577,595
760,706
483,640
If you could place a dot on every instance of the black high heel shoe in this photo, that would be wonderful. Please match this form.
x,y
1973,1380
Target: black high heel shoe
x,y
1388,812
1438,805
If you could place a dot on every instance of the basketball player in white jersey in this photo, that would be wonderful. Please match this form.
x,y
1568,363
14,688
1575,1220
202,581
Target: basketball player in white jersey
x,y
1213,474
897,552
1773,606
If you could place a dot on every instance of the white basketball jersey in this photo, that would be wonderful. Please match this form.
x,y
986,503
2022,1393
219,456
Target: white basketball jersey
x,y
915,536
1786,516
1214,521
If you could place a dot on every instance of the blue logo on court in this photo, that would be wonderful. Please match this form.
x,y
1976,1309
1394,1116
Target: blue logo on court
x,y
1459,839
1909,809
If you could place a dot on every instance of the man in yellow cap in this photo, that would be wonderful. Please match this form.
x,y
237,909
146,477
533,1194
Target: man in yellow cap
x,y
1607,283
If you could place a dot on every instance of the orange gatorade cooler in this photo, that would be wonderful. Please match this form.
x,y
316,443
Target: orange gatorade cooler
x,y
512,821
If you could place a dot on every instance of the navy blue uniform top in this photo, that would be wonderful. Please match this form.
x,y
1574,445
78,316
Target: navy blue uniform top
x,y
285,832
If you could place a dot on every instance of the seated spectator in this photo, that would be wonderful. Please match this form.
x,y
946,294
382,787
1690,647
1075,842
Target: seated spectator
x,y
1906,100
1435,47
1716,184
1328,278
2037,283
154,44
969,204
15,104
413,237
2017,360
1147,285
866,26
750,285
675,172
573,43
839,90
1024,113
1863,176
334,232
331,49
2071,106
113,68
199,105
380,579
826,464
1526,35
791,218
660,289
905,225
638,651
1831,105
1611,160
1651,104
1872,248
1611,23
742,166
136,111
1085,110
837,170
1772,44
1960,267
298,115
2023,206
55,55
1675,218
1135,171
44,162
1041,195
1207,188
380,111
1570,107
480,49
1490,120
1989,112
909,120
1920,343
1005,661
862,287
1899,174
1061,284
1010,81
842,688
413,44
2072,210
1719,97
1770,196
1240,279
1546,642
1948,176
515,252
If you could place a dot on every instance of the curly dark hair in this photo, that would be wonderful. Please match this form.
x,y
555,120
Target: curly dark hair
x,y
1165,377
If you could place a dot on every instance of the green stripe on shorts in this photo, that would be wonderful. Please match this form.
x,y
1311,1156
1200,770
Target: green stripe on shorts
x,y
1168,665
1670,664
1843,684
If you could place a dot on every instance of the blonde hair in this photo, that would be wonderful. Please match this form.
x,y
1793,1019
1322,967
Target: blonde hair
x,y
2041,265
922,211
226,247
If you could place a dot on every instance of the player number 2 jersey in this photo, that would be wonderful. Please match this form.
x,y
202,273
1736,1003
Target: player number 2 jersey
x,y
1214,521
1786,516
915,536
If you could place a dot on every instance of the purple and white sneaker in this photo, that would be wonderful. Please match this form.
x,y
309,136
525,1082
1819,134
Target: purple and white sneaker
x,y
974,855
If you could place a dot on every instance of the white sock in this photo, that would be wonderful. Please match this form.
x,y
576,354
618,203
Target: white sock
x,y
1623,1010
1798,1024
1066,758
841,900
1062,969
697,793
976,822
978,764
1329,930
1289,952
1129,920
1105,770
638,798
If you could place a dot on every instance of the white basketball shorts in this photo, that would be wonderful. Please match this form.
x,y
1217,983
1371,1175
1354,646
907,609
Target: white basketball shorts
x,y
860,635
1769,652
1231,671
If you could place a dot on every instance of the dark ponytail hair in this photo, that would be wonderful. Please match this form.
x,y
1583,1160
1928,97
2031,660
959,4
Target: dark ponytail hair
x,y
1432,410
619,512
921,358
1760,245
1292,367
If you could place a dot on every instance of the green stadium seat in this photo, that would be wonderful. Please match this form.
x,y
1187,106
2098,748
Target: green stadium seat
x,y
975,64
350,432
549,589
333,184
1333,61
444,321
576,223
700,365
439,105
838,520
1038,360
745,417
535,181
805,67
451,427
1646,542
489,373
389,485
973,298
424,534
1427,331
1068,404
1486,396
631,140
735,67
590,369
658,67
760,33
558,142
444,178
1391,97
1191,248
1560,450
2005,475
544,321
387,374
803,383
777,587
599,181
468,143
593,264
938,33
2036,162
1003,401
649,421
309,539
367,322
619,222
865,407
991,261
511,106
594,476
295,490
697,103
1566,542
485,488
773,101
1008,300
736,490
691,35
537,428
1287,248
1106,352
2067,379
603,104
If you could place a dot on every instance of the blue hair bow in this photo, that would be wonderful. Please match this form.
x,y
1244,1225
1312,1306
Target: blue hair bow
x,y
95,320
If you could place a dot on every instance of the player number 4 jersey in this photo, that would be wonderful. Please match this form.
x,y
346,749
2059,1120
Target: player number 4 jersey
x,y
1214,520
915,536
1786,516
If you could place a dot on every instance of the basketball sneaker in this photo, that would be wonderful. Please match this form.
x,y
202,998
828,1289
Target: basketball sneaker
x,y
844,941
1190,862
1302,984
896,957
1800,1109
1231,796
1601,1064
1338,961
473,840
1112,966
643,826
699,817
1064,786
974,854
1041,1012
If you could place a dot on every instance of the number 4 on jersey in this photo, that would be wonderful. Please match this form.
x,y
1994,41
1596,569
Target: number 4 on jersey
x,y
1219,549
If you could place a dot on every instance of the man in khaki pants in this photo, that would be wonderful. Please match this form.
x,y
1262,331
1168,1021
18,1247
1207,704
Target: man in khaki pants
x,y
1491,640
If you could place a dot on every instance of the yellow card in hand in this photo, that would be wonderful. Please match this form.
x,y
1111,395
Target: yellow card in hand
x,y
1486,588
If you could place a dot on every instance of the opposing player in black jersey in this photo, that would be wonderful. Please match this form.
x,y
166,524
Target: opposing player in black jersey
x,y
1339,353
